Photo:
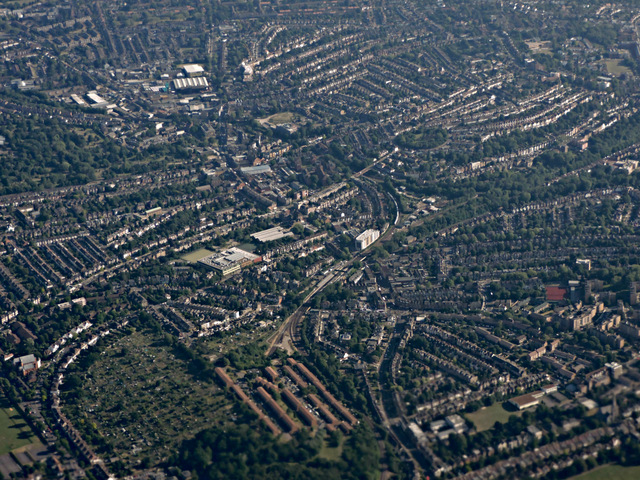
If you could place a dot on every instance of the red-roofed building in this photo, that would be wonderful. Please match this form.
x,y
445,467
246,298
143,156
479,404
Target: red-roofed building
x,y
556,294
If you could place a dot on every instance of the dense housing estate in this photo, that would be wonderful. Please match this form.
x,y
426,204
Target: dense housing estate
x,y
346,239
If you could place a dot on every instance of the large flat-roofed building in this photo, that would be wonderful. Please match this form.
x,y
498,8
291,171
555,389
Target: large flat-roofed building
x,y
525,401
193,70
257,170
198,83
271,234
366,238
78,99
230,260
96,100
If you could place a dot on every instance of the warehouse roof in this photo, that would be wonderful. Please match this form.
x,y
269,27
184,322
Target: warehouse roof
x,y
192,69
271,234
186,83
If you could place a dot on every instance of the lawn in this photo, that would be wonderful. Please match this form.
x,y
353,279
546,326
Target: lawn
x,y
615,68
193,257
281,118
331,453
610,472
14,431
486,417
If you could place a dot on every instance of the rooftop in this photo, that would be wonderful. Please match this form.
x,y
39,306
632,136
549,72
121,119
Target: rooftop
x,y
186,83
191,69
271,234
256,170
227,258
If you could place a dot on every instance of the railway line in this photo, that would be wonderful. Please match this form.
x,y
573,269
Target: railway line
x,y
287,334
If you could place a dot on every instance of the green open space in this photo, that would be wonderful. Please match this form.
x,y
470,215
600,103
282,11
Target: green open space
x,y
422,138
140,398
281,118
614,67
610,472
14,431
247,247
331,453
193,257
486,417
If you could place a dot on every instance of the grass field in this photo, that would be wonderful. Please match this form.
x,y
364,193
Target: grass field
x,y
14,431
485,418
248,247
614,67
331,453
281,118
278,119
193,257
610,472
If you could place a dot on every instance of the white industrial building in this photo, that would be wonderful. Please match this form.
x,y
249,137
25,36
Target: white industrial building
x,y
197,83
193,70
230,260
96,100
271,234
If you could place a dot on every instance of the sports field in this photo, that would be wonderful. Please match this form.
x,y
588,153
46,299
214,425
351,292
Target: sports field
x,y
193,257
281,118
610,472
615,67
14,431
486,417
278,119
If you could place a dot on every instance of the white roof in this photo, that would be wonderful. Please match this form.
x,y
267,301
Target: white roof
x,y
198,82
271,234
95,98
193,69
228,257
